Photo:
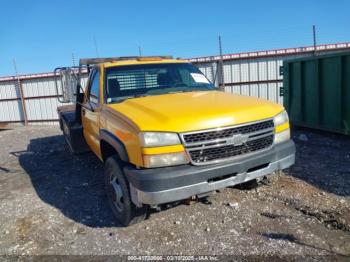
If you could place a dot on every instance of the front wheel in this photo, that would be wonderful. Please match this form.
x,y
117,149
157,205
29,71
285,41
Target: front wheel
x,y
118,194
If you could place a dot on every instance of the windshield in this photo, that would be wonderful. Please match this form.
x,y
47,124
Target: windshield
x,y
125,82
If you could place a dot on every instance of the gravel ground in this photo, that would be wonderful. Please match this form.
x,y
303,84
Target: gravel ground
x,y
53,203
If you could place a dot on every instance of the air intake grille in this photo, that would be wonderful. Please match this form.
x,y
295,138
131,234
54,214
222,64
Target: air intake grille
x,y
211,135
205,147
215,153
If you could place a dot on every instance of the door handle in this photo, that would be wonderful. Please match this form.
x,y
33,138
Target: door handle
x,y
83,111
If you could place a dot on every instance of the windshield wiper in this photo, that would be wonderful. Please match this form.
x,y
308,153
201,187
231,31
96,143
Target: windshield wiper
x,y
175,92
141,95
121,99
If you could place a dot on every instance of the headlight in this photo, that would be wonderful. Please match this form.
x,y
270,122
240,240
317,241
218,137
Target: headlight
x,y
161,160
282,132
281,118
154,139
282,136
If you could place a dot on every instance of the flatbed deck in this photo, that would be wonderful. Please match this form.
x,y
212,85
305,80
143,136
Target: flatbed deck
x,y
72,129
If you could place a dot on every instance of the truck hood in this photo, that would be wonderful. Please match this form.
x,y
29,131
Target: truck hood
x,y
183,112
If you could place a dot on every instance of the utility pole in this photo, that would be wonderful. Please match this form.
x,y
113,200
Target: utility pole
x,y
19,86
221,67
95,44
73,59
140,53
314,37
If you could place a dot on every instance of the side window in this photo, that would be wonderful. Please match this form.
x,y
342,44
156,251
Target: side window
x,y
95,88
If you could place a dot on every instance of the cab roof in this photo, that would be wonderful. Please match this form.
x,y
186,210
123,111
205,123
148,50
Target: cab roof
x,y
133,60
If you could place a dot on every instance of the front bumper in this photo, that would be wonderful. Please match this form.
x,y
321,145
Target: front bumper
x,y
164,185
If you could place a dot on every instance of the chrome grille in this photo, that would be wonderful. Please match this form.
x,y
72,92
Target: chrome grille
x,y
210,146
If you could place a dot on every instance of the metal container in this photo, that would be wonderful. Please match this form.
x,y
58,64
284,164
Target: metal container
x,y
317,91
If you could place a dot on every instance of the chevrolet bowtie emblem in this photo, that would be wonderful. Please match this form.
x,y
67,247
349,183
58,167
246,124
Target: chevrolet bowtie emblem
x,y
237,140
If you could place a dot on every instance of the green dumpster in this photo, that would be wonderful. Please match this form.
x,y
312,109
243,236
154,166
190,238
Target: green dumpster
x,y
317,91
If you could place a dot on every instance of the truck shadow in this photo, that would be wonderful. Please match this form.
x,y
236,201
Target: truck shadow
x,y
71,183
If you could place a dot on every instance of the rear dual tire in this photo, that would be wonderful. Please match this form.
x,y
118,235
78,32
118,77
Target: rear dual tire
x,y
118,193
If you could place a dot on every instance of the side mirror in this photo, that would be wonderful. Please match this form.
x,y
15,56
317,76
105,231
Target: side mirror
x,y
66,81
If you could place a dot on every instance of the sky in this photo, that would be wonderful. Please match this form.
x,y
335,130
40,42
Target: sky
x,y
41,35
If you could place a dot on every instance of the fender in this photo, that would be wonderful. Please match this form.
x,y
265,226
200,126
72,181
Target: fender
x,y
115,142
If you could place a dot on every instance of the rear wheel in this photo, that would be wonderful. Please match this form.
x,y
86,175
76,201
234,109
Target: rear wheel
x,y
118,194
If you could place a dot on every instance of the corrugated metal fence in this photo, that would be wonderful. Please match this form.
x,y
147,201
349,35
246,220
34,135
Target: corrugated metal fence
x,y
32,99
29,99
257,73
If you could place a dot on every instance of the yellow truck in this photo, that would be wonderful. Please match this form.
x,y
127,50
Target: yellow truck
x,y
165,133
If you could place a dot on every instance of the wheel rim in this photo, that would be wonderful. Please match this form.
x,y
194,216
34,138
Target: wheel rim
x,y
116,193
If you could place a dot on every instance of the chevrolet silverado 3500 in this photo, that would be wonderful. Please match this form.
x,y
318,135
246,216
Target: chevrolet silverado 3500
x,y
165,133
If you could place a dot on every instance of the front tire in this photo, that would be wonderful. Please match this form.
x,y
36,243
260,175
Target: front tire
x,y
118,194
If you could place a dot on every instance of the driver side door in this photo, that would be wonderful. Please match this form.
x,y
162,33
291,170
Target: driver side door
x,y
91,112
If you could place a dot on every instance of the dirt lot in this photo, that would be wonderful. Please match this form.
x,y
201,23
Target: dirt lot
x,y
53,203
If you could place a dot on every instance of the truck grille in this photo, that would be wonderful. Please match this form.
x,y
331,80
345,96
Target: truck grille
x,y
210,146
